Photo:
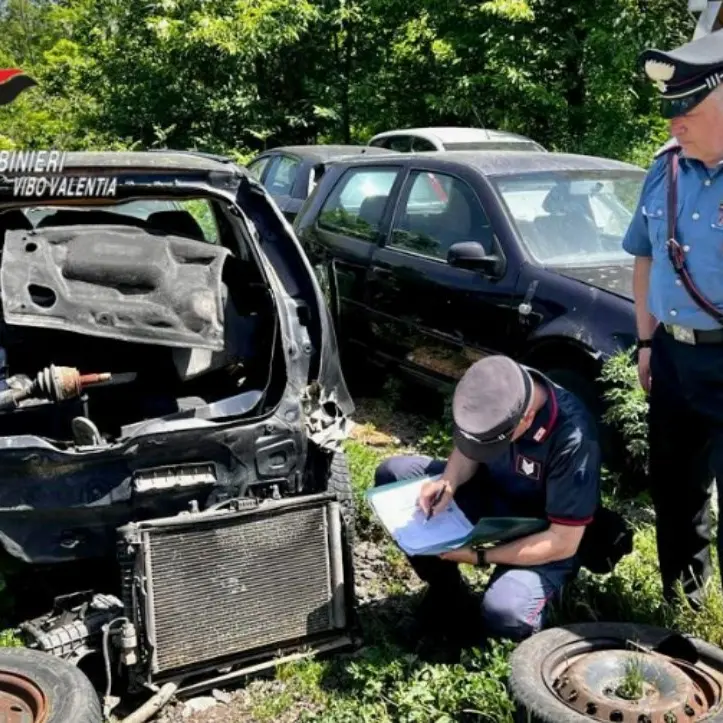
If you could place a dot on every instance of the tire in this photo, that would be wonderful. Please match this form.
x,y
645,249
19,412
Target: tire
x,y
339,482
69,695
535,703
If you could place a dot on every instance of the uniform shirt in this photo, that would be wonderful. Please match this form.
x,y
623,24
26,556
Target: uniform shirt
x,y
553,470
699,231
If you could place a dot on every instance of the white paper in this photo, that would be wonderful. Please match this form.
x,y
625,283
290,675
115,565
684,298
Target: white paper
x,y
398,510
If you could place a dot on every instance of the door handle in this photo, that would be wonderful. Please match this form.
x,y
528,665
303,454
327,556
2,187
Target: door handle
x,y
379,272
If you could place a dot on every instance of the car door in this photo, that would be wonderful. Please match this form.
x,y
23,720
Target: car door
x,y
344,235
433,318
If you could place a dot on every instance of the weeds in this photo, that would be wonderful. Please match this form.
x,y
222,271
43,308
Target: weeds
x,y
632,685
627,404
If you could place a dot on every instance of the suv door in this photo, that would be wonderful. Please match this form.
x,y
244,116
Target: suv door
x,y
430,317
352,218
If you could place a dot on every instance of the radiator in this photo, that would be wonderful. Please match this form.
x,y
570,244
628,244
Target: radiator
x,y
208,587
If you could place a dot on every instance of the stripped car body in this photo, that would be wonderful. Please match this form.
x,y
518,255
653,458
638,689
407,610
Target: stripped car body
x,y
215,391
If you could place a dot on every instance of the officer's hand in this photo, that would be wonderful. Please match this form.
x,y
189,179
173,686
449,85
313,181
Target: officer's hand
x,y
644,369
465,554
428,495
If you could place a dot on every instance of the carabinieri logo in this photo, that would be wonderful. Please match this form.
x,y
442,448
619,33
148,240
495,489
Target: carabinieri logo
x,y
13,81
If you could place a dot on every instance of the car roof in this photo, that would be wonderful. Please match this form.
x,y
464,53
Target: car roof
x,y
147,160
326,152
507,163
456,134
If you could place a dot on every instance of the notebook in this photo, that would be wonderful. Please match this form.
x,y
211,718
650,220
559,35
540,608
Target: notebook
x,y
397,509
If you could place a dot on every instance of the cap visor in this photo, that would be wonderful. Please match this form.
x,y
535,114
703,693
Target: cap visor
x,y
477,452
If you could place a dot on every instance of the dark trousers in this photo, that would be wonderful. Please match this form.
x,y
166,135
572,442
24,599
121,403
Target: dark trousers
x,y
685,451
516,601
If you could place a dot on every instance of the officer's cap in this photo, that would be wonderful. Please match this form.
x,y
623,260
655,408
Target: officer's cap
x,y
489,402
686,75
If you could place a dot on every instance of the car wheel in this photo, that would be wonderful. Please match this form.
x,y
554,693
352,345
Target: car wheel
x,y
340,484
617,672
39,687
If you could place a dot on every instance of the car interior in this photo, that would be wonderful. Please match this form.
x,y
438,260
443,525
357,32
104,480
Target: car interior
x,y
150,380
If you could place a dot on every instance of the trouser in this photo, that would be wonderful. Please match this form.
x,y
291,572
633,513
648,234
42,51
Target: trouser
x,y
685,448
516,601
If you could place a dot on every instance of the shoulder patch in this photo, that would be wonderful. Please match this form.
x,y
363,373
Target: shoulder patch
x,y
671,145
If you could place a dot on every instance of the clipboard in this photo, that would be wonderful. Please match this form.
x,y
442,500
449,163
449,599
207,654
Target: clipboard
x,y
395,506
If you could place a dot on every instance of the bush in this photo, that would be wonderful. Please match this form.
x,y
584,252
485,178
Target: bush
x,y
627,405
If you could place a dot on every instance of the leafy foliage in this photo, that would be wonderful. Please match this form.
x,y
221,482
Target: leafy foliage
x,y
238,77
628,404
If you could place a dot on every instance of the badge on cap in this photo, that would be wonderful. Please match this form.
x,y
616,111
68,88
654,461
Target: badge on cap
x,y
659,73
527,467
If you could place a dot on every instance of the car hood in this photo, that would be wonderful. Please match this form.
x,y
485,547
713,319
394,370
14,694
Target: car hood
x,y
617,279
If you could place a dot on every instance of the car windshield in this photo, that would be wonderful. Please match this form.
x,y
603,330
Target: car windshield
x,y
573,218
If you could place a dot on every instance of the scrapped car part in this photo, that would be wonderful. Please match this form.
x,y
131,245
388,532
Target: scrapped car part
x,y
115,281
152,705
73,629
39,688
620,672
208,590
53,383
207,596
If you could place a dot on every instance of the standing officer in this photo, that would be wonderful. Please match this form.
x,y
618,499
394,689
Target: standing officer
x,y
676,237
523,447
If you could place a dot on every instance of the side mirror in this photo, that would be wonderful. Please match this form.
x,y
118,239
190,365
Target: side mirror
x,y
471,255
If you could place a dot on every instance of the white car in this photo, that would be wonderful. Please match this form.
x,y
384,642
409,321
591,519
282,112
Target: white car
x,y
452,138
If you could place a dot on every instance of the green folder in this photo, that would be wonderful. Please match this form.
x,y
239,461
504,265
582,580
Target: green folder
x,y
395,506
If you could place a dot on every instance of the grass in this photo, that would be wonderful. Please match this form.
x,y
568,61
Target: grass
x,y
382,683
632,685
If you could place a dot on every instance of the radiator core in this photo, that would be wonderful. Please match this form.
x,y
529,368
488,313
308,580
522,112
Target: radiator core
x,y
239,581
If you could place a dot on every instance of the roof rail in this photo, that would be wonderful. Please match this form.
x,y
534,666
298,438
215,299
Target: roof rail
x,y
202,154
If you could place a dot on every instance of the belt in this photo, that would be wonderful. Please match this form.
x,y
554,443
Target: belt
x,y
694,336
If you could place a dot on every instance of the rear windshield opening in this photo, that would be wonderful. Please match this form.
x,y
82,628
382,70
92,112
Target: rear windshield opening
x,y
161,294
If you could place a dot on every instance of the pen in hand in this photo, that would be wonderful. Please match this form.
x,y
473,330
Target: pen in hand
x,y
435,502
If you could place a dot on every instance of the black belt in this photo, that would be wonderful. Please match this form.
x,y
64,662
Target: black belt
x,y
687,335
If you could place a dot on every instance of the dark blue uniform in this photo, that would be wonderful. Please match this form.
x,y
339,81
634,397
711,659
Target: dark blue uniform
x,y
552,472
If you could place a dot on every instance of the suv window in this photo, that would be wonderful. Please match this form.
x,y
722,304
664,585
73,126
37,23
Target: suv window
x,y
439,211
422,144
401,144
281,175
357,204
256,168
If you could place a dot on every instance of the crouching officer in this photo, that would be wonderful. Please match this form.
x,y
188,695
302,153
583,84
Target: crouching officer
x,y
676,237
523,447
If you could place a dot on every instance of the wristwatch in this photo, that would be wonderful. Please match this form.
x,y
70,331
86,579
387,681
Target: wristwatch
x,y
481,561
643,344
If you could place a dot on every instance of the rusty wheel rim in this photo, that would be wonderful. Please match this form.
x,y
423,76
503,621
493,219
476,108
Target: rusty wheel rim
x,y
21,701
603,681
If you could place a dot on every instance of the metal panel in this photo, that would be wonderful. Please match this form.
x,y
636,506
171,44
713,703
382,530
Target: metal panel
x,y
230,584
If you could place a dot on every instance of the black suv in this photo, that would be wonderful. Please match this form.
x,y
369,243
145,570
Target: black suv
x,y
171,409
433,260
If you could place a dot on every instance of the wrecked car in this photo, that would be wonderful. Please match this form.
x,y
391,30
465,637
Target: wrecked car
x,y
172,409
